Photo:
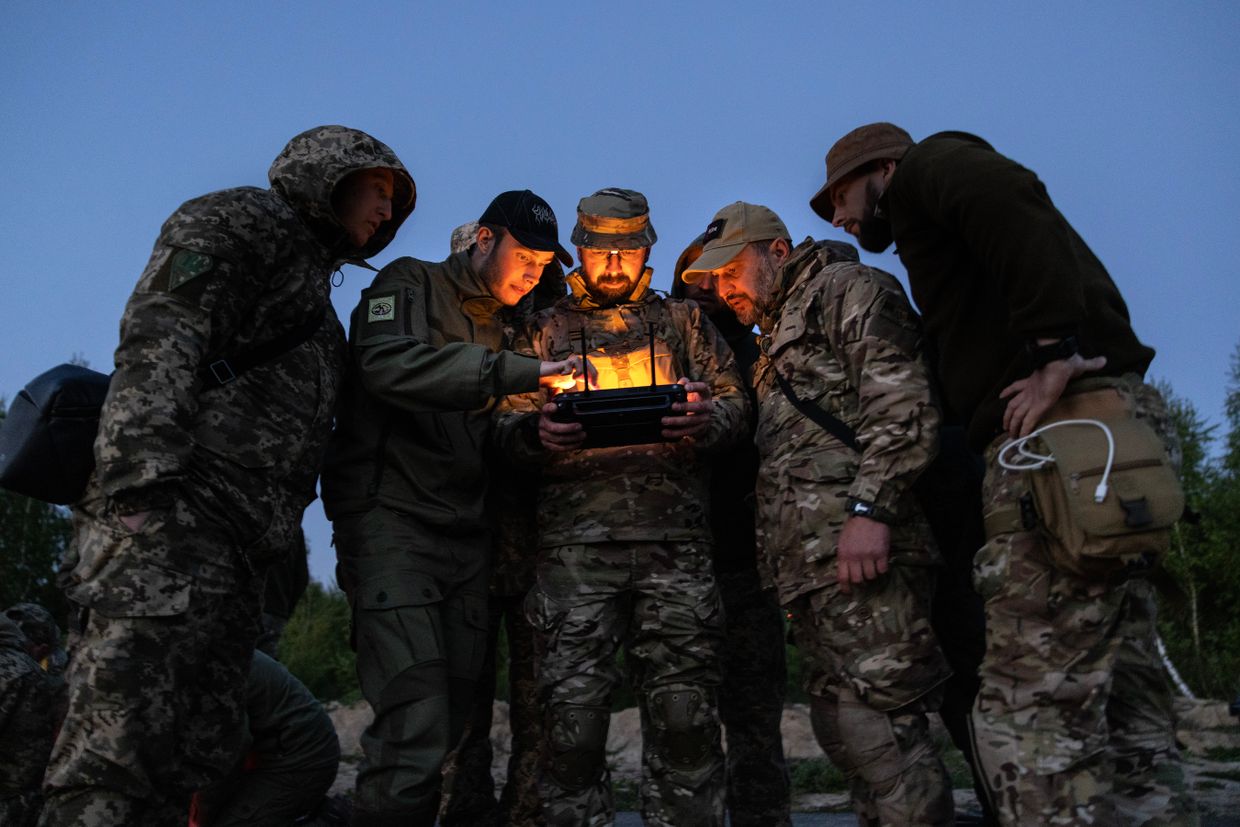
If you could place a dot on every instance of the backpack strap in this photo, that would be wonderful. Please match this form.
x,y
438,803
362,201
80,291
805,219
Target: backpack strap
x,y
825,420
220,372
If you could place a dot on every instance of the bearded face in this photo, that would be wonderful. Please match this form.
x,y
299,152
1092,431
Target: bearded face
x,y
611,276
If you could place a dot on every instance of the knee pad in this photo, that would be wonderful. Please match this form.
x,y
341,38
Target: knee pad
x,y
684,728
881,746
578,745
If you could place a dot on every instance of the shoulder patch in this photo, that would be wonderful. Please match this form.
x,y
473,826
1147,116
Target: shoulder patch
x,y
381,309
186,266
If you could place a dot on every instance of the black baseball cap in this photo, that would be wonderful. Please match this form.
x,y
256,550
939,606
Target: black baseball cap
x,y
530,220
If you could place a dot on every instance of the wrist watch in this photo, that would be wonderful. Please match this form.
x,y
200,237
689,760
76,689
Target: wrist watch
x,y
1042,355
865,508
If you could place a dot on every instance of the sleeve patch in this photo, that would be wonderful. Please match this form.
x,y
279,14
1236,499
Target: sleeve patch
x,y
187,265
381,309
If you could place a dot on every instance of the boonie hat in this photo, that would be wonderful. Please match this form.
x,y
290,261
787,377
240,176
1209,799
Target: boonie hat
x,y
727,234
463,237
864,144
530,220
613,219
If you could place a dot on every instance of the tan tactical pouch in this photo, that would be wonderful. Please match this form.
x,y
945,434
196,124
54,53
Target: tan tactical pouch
x,y
1143,500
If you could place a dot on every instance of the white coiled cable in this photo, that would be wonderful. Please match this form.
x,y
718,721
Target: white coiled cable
x,y
1030,461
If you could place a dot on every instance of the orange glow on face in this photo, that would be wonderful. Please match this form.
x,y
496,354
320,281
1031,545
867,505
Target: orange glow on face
x,y
630,369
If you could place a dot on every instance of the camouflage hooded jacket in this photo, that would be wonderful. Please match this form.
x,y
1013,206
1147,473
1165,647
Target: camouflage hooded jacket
x,y
846,339
653,492
232,270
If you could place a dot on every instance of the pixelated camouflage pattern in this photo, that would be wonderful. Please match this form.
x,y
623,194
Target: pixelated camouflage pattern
x,y
27,725
1073,722
639,492
251,448
845,338
658,600
225,473
415,415
145,727
463,237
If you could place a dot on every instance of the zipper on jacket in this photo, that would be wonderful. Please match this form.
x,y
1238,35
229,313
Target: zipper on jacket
x,y
380,446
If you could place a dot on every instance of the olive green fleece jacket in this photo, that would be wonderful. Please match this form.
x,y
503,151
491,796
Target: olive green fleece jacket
x,y
993,265
426,366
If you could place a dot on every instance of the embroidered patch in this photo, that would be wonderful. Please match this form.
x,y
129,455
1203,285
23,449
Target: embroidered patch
x,y
187,266
713,230
382,309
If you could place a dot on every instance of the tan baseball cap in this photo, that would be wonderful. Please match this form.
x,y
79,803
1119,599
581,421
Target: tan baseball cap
x,y
727,234
864,144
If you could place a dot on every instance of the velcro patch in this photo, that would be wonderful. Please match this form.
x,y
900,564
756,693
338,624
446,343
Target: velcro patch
x,y
381,309
186,266
713,230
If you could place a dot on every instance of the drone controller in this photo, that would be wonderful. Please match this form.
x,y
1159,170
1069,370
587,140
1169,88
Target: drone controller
x,y
619,416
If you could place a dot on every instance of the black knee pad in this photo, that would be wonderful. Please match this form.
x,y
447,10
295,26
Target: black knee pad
x,y
578,745
685,736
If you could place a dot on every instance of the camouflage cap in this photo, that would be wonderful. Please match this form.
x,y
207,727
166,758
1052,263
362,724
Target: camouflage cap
x,y
727,234
36,623
865,143
463,237
614,219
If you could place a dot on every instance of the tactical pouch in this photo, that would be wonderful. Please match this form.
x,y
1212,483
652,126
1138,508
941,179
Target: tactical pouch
x,y
1143,497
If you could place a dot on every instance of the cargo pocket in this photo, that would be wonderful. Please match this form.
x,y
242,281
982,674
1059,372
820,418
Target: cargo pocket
x,y
397,625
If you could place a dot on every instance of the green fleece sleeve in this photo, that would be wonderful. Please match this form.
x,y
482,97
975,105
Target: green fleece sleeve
x,y
1004,216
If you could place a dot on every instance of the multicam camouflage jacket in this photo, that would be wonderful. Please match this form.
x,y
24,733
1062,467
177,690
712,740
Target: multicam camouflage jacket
x,y
230,271
650,492
846,339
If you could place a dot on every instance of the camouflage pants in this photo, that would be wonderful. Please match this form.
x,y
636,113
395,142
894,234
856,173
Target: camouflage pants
x,y
659,600
420,630
874,670
751,702
469,787
157,681
1073,722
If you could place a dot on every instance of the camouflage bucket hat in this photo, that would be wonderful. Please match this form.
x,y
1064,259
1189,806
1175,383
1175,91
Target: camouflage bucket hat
x,y
613,219
864,144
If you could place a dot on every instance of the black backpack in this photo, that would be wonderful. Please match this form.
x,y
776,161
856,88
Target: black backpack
x,y
47,440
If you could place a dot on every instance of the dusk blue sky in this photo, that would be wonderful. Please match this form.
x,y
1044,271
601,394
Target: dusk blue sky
x,y
115,113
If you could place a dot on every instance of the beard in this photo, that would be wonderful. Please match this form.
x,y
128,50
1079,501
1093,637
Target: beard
x,y
608,289
874,232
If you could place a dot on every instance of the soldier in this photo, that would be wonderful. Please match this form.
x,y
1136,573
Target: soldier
x,y
286,583
1073,721
624,536
849,548
405,484
209,444
755,675
513,499
43,644
288,762
27,727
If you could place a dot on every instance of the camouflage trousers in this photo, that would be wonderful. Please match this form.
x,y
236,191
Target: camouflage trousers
x,y
420,630
751,702
157,681
659,601
469,789
874,669
1073,722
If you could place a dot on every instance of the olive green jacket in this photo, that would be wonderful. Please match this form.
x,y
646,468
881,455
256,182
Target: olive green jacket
x,y
425,369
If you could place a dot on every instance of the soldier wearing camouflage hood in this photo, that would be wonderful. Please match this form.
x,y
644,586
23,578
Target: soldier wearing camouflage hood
x,y
28,722
405,486
849,548
209,444
624,533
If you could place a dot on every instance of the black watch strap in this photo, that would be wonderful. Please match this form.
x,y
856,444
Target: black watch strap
x,y
1042,355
